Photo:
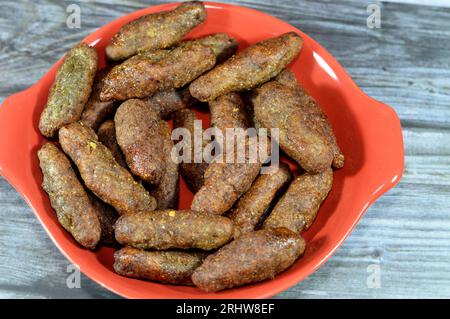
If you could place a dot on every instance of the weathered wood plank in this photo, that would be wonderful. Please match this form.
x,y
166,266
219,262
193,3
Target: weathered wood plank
x,y
404,64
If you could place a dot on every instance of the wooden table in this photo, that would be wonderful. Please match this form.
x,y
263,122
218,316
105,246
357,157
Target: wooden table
x,y
405,63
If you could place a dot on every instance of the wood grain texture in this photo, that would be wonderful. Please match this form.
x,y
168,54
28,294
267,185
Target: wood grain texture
x,y
405,64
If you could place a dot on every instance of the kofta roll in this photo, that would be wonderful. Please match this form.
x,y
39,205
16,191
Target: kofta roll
x,y
156,30
107,217
96,111
298,207
316,116
277,106
254,203
166,192
168,267
222,45
165,103
107,136
140,134
145,74
149,72
74,210
249,68
101,173
165,229
192,172
225,182
253,257
70,90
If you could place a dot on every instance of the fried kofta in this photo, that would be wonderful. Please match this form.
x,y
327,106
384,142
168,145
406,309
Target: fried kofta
x,y
168,267
316,116
253,204
165,229
165,103
70,90
253,257
156,30
101,173
249,68
298,207
74,209
225,181
149,72
145,74
192,172
140,133
277,106
107,136
96,111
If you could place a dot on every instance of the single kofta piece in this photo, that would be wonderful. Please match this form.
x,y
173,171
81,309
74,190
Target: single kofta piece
x,y
156,30
316,117
253,257
224,184
74,209
70,90
168,267
107,217
107,136
101,173
249,68
140,134
193,171
165,229
222,45
226,179
254,203
164,103
96,111
298,207
145,74
166,192
277,106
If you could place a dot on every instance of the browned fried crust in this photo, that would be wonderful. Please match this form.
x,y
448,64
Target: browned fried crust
x,y
167,229
249,68
70,90
193,173
166,193
228,111
156,30
222,45
145,74
164,103
278,106
253,257
252,205
298,207
107,217
169,267
97,111
225,182
68,197
107,136
316,116
101,173
139,132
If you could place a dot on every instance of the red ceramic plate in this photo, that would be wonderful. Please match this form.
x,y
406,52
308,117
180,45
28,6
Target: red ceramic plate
x,y
368,132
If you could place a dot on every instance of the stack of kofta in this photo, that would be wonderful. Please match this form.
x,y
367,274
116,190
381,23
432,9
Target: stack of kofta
x,y
112,179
